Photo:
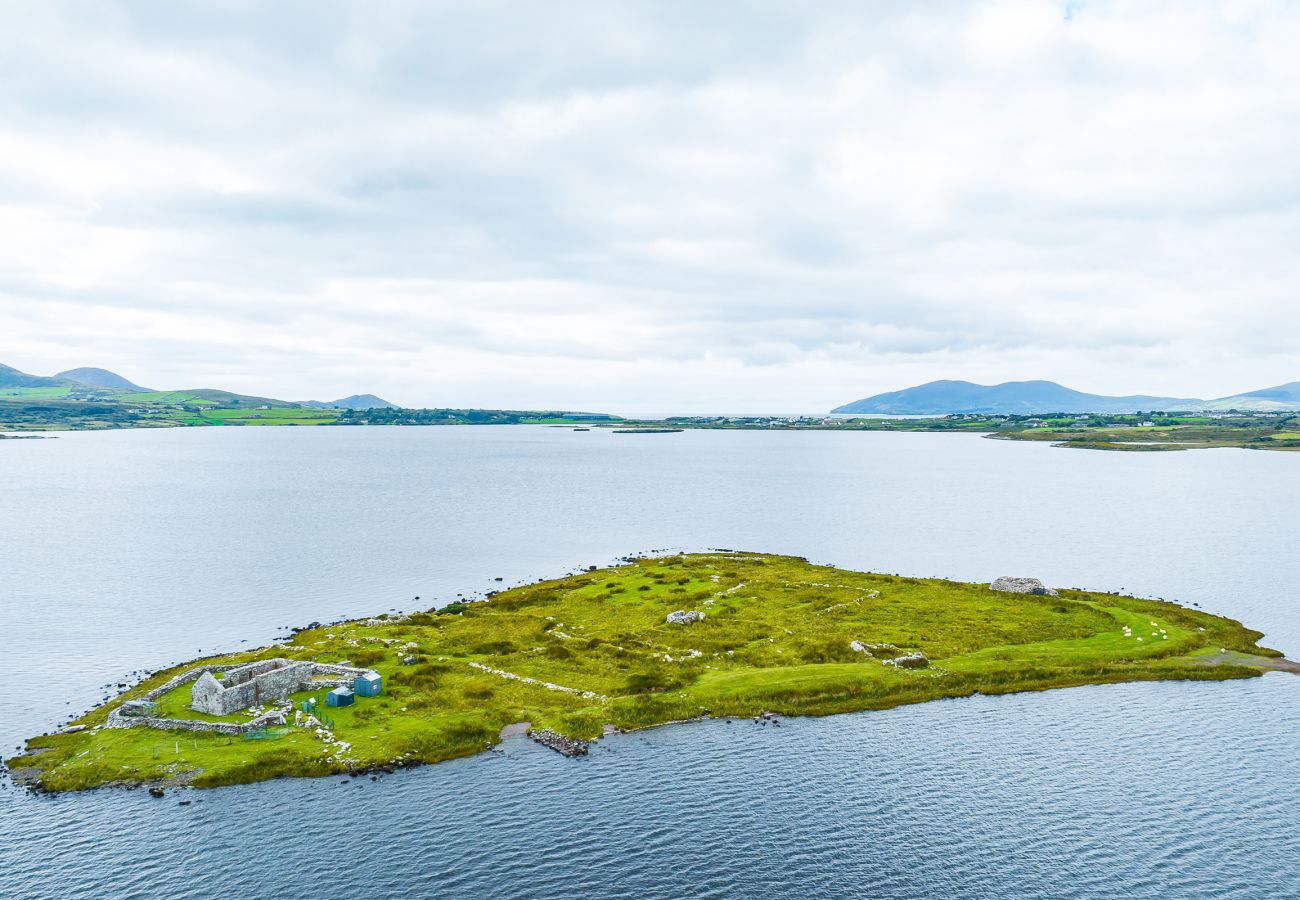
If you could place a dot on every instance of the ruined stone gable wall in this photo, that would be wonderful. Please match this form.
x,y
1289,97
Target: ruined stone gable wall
x,y
205,694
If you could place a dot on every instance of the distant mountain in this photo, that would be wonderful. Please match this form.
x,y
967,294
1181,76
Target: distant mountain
x,y
356,401
100,378
111,381
1012,397
1284,397
11,377
225,399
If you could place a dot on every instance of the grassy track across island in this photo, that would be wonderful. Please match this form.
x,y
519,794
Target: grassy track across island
x,y
580,653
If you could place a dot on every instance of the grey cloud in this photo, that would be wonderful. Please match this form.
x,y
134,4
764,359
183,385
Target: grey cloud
x,y
765,195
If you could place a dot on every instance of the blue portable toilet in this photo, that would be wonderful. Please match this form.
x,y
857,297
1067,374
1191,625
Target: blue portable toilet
x,y
368,685
340,697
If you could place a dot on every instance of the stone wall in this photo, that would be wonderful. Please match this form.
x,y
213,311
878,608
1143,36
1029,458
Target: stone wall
x,y
117,720
249,671
331,669
277,684
345,675
185,678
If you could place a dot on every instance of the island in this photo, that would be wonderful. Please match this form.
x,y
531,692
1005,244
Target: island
x,y
650,641
1142,432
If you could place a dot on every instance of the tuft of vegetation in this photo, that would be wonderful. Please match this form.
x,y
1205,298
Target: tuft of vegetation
x,y
595,649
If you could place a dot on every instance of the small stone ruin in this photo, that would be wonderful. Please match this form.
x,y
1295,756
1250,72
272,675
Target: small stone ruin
x,y
267,684
256,683
1022,586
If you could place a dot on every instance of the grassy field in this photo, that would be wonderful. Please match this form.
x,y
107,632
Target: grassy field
x,y
88,409
53,409
276,416
776,636
33,393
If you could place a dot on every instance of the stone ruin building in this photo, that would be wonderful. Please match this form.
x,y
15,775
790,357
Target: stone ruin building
x,y
263,683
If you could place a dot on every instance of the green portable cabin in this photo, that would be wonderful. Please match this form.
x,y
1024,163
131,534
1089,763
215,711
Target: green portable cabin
x,y
340,697
368,685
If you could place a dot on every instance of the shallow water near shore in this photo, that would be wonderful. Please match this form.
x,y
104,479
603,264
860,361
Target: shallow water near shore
x,y
134,549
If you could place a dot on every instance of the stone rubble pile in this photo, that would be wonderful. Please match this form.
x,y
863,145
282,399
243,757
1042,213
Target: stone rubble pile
x,y
684,617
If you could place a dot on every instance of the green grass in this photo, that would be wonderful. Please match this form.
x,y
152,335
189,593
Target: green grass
x,y
275,416
34,393
776,637
162,398
43,409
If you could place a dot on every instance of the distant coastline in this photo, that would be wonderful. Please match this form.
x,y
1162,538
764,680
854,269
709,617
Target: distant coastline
x,y
1157,432
104,400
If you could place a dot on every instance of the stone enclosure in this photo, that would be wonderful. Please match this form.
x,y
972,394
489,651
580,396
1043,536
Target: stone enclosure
x,y
269,681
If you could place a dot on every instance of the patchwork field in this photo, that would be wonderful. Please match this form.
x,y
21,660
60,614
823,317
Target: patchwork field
x,y
593,650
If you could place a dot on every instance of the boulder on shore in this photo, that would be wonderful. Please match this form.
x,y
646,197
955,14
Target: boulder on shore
x,y
1022,586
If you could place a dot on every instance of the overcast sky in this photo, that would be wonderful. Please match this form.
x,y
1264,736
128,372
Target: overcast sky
x,y
651,207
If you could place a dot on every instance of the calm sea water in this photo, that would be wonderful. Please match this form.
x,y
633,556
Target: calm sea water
x,y
131,550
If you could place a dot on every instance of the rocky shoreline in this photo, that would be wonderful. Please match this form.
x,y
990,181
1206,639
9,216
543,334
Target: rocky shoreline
x,y
561,744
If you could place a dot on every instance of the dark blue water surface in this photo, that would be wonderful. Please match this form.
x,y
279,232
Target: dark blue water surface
x,y
131,550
